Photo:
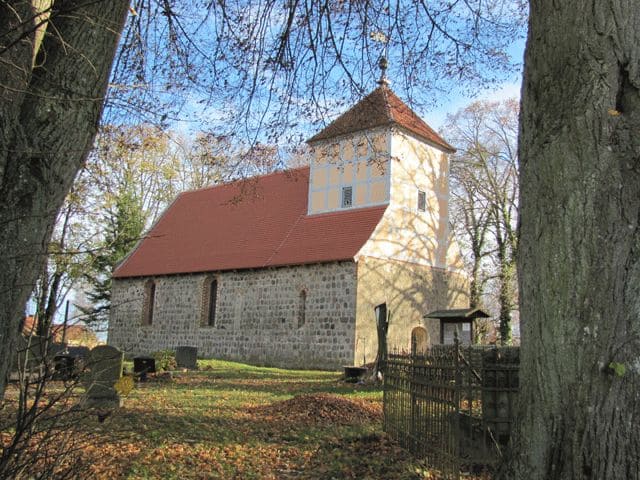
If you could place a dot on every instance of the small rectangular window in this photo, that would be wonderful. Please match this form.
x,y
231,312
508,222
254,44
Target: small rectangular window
x,y
422,201
213,299
302,308
347,197
209,302
148,301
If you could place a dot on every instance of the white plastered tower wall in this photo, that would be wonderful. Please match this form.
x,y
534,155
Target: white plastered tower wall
x,y
405,233
411,262
358,160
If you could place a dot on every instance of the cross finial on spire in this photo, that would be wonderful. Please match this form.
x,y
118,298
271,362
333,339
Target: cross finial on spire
x,y
382,63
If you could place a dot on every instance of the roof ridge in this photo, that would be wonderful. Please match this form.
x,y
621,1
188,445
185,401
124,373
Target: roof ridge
x,y
385,91
246,179
381,107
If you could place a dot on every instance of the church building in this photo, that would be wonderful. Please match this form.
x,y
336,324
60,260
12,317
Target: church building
x,y
286,269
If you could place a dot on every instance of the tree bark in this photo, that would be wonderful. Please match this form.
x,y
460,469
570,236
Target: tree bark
x,y
17,48
52,123
579,251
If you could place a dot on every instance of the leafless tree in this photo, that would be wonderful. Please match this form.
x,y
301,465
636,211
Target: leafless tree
x,y
484,175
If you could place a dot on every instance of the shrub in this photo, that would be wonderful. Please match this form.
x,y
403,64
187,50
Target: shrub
x,y
165,360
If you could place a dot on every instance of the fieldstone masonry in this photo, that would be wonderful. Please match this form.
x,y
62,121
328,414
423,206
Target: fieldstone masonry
x,y
257,315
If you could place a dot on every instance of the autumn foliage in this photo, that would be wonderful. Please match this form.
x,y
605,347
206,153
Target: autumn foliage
x,y
232,421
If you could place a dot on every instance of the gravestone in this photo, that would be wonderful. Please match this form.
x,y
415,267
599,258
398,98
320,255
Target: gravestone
x,y
104,369
186,357
79,351
143,365
64,367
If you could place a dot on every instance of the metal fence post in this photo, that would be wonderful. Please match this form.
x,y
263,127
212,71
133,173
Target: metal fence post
x,y
456,400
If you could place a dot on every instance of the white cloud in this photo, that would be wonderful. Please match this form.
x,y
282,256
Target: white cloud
x,y
507,90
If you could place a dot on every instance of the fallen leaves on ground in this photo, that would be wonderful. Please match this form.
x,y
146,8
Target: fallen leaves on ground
x,y
319,409
233,421
368,457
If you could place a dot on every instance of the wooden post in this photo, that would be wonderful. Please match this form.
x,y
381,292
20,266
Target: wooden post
x,y
66,320
382,326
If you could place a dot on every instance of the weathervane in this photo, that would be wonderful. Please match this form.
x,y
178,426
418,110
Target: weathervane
x,y
383,63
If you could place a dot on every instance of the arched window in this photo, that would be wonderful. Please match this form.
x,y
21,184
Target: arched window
x,y
148,302
209,302
302,307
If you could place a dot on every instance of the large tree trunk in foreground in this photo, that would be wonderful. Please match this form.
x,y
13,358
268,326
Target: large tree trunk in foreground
x,y
49,117
579,258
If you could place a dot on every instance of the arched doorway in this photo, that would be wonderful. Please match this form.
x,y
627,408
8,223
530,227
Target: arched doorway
x,y
419,340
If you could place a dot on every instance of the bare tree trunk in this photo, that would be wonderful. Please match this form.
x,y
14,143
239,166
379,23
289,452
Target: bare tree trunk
x,y
42,327
51,283
475,287
17,48
51,124
579,251
506,293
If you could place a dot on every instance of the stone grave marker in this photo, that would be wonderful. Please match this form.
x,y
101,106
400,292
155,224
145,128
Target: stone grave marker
x,y
104,369
186,357
143,365
80,351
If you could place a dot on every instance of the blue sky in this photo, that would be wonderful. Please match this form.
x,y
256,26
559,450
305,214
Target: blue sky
x,y
508,89
436,118
195,117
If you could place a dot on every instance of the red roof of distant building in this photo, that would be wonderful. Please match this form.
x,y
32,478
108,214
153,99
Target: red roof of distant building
x,y
29,325
381,107
253,223
73,333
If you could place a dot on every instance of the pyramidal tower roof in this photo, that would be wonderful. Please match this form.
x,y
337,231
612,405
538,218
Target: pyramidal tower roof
x,y
381,107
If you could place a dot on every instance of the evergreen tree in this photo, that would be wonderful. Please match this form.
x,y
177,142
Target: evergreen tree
x,y
124,225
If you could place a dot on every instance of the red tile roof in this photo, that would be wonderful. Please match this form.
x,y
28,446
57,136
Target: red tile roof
x,y
76,333
381,107
253,223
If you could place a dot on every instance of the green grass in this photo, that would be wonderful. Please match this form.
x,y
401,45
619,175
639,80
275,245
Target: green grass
x,y
233,421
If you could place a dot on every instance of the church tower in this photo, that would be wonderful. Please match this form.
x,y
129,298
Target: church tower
x,y
381,153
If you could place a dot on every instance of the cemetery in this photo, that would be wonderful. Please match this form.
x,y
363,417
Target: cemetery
x,y
442,413
225,420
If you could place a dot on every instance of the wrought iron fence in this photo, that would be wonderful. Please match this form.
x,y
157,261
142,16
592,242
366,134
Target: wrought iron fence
x,y
453,405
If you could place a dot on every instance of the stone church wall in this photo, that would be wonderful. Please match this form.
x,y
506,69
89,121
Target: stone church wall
x,y
258,315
